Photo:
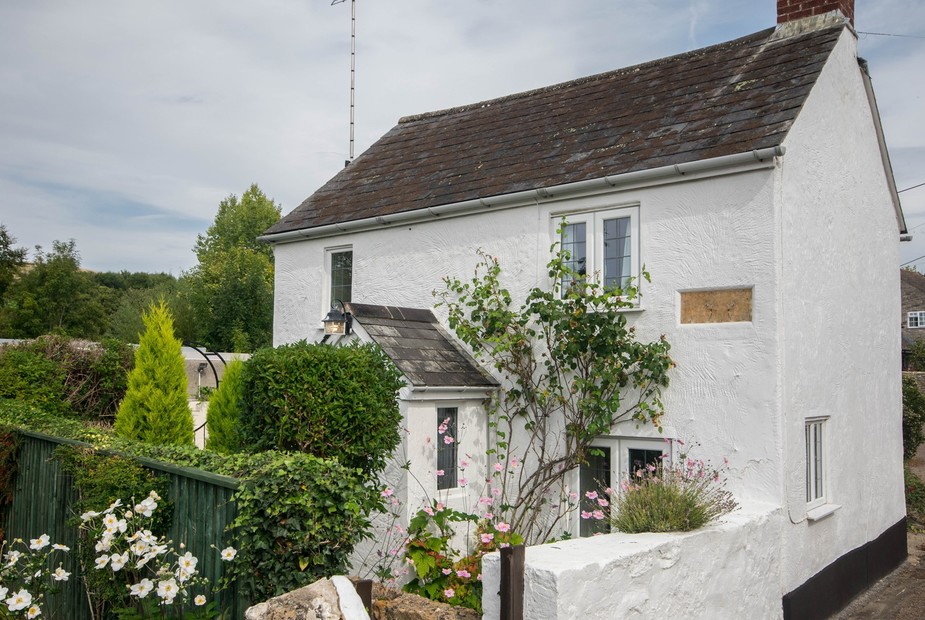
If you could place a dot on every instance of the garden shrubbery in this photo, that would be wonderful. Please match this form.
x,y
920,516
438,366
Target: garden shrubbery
x,y
299,516
65,376
913,417
332,402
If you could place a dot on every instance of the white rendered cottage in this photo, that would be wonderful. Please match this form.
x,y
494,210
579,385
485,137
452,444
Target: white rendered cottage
x,y
752,181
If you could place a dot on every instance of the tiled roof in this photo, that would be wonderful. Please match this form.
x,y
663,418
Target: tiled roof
x,y
420,347
720,100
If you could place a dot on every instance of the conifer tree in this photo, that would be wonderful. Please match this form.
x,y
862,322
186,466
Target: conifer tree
x,y
224,411
155,406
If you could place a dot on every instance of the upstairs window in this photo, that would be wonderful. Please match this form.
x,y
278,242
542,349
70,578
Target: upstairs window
x,y
603,245
447,447
916,319
341,275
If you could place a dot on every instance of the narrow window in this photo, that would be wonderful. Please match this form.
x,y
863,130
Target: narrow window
x,y
341,275
815,469
594,477
618,254
575,243
916,319
447,447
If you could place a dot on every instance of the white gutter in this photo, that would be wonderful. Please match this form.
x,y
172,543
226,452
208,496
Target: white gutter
x,y
727,164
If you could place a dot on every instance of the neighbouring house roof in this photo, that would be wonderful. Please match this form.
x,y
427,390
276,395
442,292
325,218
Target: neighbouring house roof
x,y
731,98
420,347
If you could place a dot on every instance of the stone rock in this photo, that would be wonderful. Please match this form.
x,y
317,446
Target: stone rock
x,y
389,604
316,601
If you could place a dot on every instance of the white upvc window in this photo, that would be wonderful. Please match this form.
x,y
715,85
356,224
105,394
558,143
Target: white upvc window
x,y
338,271
611,462
602,245
915,319
816,455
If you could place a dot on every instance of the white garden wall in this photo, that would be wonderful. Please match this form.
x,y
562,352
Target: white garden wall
x,y
727,570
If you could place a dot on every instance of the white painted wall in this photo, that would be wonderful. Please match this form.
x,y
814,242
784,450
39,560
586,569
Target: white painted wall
x,y
705,233
840,320
727,570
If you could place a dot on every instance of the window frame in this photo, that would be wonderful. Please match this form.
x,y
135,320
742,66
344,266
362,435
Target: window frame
x,y
447,482
328,298
619,448
919,316
594,237
816,452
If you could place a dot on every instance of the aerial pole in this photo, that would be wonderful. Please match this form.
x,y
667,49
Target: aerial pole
x,y
353,57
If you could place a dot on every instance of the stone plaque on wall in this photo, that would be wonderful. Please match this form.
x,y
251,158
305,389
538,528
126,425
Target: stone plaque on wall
x,y
728,305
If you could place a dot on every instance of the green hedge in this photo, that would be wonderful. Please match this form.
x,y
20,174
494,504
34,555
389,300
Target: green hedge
x,y
299,516
333,402
67,376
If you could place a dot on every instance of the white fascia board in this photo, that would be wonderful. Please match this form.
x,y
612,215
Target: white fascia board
x,y
429,392
704,168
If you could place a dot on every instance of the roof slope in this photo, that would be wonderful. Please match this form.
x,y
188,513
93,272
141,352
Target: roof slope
x,y
720,100
419,346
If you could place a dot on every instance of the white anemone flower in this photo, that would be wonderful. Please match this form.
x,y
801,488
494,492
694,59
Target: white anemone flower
x,y
228,553
19,601
58,547
39,543
102,561
3,591
142,588
117,560
34,612
199,601
90,514
60,574
167,589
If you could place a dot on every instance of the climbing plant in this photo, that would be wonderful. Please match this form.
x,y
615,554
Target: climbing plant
x,y
571,366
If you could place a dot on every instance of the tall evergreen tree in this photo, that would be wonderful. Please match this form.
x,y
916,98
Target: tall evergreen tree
x,y
155,406
224,411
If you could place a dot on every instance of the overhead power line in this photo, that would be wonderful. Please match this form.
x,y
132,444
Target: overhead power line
x,y
887,34
908,188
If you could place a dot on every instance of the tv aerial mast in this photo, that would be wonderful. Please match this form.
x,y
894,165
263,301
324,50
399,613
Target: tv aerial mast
x,y
353,66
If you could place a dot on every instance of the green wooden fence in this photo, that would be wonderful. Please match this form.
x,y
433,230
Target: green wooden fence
x,y
43,500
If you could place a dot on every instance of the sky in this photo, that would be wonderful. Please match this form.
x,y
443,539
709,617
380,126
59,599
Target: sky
x,y
123,124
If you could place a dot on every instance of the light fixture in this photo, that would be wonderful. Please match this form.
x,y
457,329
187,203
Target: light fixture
x,y
338,321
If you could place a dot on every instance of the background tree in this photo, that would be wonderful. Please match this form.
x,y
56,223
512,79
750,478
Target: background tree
x,y
125,321
223,415
155,406
570,366
11,259
231,289
55,296
913,417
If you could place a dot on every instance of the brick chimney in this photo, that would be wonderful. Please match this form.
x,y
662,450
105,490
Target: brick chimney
x,y
791,10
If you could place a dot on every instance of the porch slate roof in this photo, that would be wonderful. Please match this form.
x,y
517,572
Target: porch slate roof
x,y
721,100
421,349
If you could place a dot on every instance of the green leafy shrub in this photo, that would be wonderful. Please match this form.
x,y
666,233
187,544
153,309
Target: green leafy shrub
x,y
155,407
915,500
32,378
222,417
64,375
441,573
332,402
913,417
670,498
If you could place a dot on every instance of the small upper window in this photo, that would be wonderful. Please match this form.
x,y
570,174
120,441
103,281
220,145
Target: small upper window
x,y
341,275
916,319
603,245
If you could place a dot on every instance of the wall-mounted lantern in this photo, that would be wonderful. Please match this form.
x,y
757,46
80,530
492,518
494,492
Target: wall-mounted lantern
x,y
338,321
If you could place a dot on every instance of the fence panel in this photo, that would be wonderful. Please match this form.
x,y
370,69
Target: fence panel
x,y
43,500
